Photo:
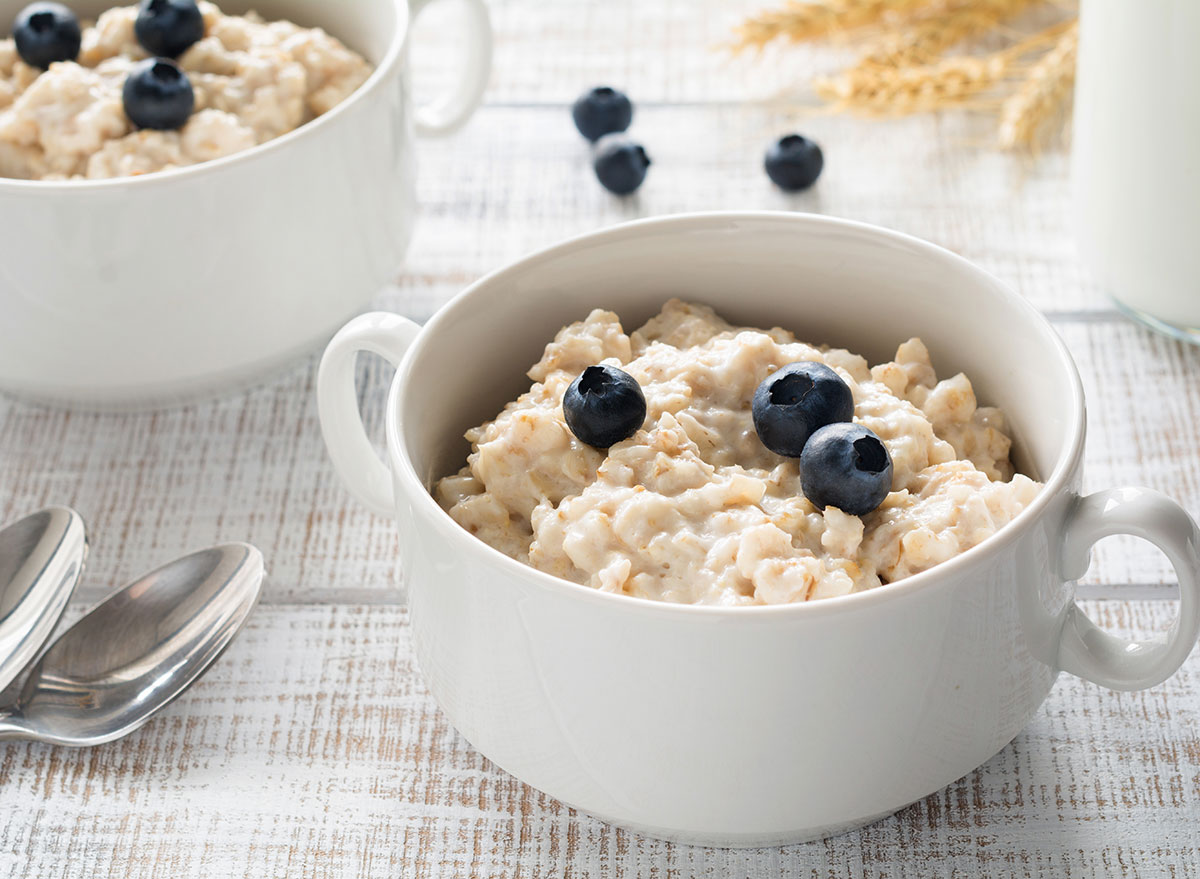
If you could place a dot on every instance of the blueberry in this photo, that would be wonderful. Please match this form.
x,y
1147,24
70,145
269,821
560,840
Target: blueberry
x,y
45,33
603,406
620,164
846,466
601,111
168,28
158,95
793,402
794,163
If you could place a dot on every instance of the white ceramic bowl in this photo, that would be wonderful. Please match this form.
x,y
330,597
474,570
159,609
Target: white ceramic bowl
x,y
761,725
146,290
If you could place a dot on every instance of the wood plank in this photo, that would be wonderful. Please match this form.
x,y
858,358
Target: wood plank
x,y
661,52
706,119
518,179
1143,429
253,467
666,51
312,749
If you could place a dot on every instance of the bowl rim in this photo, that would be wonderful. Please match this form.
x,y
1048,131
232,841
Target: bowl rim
x,y
383,71
1058,483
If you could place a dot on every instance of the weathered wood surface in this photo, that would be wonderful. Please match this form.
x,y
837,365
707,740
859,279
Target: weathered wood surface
x,y
313,750
253,467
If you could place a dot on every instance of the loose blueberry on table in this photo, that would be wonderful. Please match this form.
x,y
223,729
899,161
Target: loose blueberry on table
x,y
795,401
600,111
794,163
620,164
847,466
603,406
158,95
45,33
168,28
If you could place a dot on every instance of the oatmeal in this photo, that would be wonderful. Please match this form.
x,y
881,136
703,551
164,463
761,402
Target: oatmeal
x,y
253,81
693,508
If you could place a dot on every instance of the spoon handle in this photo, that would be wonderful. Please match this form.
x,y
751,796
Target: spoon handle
x,y
11,729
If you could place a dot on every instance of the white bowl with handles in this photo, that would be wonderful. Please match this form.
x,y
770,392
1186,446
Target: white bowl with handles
x,y
749,725
148,290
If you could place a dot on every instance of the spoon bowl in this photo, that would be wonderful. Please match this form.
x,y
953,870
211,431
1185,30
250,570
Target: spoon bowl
x,y
41,558
138,650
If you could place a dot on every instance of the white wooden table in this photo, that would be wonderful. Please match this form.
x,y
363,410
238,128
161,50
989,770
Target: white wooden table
x,y
313,749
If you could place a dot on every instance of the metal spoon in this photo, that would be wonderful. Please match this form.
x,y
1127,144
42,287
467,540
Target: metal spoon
x,y
41,557
137,651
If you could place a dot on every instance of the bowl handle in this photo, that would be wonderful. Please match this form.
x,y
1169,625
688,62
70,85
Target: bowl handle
x,y
1084,648
389,336
449,113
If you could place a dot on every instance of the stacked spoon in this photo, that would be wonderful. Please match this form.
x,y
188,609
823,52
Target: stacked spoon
x,y
127,658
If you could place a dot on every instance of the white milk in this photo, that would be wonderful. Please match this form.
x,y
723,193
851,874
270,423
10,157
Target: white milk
x,y
1137,154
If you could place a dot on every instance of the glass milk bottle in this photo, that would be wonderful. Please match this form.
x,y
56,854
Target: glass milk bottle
x,y
1136,156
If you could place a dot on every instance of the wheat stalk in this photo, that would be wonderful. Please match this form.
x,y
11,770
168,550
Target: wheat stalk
x,y
806,21
935,32
897,92
1041,95
877,90
904,67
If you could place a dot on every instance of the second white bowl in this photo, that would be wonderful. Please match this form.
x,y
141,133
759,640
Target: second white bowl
x,y
146,290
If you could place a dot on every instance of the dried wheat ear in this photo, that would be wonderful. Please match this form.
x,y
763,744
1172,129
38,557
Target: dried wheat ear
x,y
904,66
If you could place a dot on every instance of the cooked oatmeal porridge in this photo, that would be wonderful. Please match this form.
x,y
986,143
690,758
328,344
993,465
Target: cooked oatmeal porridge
x,y
253,81
693,508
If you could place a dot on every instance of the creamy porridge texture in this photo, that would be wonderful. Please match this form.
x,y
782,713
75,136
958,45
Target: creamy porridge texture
x,y
693,508
253,80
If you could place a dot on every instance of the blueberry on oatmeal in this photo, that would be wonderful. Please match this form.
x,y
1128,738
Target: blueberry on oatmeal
x,y
45,33
168,28
254,79
692,508
846,466
793,402
158,95
603,406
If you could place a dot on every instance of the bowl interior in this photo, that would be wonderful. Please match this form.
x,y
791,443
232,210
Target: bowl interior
x,y
367,26
844,284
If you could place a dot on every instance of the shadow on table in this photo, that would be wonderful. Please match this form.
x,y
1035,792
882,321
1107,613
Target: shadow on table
x,y
1048,805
